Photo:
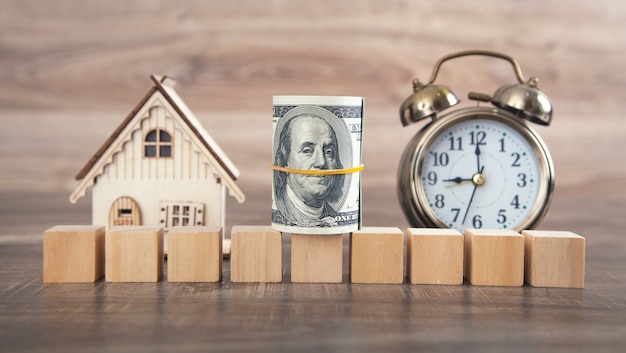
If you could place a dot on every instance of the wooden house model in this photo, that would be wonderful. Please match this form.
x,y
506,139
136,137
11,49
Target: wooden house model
x,y
160,167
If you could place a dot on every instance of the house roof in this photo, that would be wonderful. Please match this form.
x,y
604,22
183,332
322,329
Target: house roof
x,y
164,85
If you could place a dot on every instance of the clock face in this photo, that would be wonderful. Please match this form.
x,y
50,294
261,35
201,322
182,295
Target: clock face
x,y
482,172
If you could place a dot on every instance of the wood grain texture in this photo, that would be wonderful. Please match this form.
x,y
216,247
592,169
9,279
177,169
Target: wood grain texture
x,y
377,255
316,258
256,254
70,71
554,259
73,254
434,256
494,257
194,254
134,254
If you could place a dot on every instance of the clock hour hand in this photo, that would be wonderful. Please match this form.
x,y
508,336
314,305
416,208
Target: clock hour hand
x,y
458,180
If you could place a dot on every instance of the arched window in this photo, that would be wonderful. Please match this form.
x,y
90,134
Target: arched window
x,y
158,143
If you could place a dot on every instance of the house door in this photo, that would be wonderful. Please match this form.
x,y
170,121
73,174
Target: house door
x,y
124,212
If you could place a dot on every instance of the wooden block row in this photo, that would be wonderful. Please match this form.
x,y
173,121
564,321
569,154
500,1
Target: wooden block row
x,y
434,256
540,258
256,256
484,257
133,254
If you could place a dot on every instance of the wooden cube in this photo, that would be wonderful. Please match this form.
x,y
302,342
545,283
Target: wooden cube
x,y
316,258
494,257
377,255
435,256
554,259
73,253
134,254
256,254
194,254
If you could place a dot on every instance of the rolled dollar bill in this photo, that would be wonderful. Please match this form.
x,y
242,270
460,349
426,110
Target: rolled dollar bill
x,y
316,153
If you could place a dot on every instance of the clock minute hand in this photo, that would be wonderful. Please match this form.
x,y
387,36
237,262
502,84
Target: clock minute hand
x,y
469,204
477,153
476,184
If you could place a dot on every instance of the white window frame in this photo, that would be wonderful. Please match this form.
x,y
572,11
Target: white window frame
x,y
176,213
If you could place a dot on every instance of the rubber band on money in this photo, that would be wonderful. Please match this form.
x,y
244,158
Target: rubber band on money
x,y
318,171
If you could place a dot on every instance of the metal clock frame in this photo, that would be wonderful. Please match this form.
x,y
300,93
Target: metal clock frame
x,y
410,185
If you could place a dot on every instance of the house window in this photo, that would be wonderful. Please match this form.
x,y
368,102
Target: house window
x,y
158,143
175,214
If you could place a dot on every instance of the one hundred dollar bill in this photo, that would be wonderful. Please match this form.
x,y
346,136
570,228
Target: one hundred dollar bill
x,y
316,157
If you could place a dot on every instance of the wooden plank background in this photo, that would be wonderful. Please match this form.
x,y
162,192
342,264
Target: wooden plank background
x,y
70,71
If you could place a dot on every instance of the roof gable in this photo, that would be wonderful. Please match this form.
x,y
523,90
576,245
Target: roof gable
x,y
163,89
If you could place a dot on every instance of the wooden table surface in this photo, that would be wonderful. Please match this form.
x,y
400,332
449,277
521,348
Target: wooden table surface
x,y
70,71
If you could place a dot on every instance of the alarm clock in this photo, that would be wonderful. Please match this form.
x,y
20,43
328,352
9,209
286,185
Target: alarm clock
x,y
476,167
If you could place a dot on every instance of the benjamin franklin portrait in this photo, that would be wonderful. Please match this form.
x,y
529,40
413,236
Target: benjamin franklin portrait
x,y
307,141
